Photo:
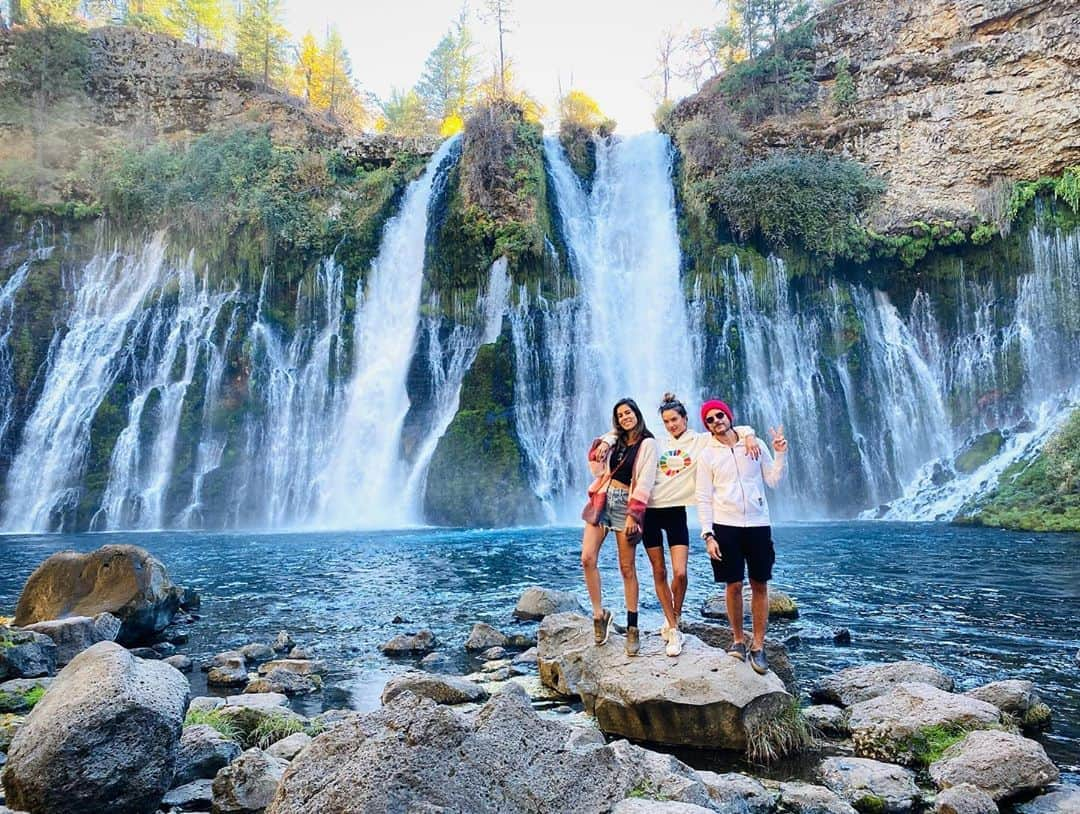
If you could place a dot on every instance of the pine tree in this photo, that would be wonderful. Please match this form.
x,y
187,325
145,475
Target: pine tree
x,y
448,85
202,22
261,39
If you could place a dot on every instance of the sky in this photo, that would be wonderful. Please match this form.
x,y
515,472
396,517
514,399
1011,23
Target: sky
x,y
606,48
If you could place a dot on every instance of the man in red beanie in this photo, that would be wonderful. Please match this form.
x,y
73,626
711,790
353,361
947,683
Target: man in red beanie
x,y
735,522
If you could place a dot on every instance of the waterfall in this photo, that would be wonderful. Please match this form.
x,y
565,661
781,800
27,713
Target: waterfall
x,y
44,482
7,322
165,346
364,484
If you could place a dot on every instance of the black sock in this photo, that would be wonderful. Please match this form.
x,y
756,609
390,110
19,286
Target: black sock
x,y
631,618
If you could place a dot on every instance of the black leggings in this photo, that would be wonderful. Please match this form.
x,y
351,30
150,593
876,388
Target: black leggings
x,y
672,520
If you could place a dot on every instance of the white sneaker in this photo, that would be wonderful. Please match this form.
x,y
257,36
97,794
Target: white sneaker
x,y
665,631
674,643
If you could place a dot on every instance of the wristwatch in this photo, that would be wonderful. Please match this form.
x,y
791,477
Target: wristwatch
x,y
705,535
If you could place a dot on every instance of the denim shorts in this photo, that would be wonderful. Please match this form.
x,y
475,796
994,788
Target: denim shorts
x,y
614,514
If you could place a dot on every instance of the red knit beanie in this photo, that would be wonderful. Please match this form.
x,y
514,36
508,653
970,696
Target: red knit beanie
x,y
716,404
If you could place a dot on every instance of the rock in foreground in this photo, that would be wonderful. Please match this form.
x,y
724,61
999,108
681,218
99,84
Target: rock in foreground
x,y
73,634
704,698
123,580
869,785
1000,763
501,758
103,738
441,689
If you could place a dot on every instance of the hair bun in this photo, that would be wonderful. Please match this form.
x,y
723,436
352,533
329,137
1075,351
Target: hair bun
x,y
669,397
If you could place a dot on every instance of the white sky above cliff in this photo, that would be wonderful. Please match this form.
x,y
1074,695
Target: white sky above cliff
x,y
604,47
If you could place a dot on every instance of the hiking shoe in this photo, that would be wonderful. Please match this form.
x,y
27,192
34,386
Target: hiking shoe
x,y
674,643
759,662
633,641
737,651
602,627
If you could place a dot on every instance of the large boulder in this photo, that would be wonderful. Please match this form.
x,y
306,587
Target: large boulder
x,y
105,737
442,689
248,784
73,634
26,654
870,786
857,684
203,751
897,725
1018,698
123,580
410,644
1002,764
482,636
704,698
536,603
964,799
719,636
503,757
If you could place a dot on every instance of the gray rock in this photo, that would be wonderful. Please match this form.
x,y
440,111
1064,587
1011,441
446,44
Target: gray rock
x,y
1060,800
537,602
733,793
437,662
1018,698
254,653
870,680
262,700
290,747
194,796
1000,763
26,654
870,786
248,784
461,762
285,681
284,642
889,726
228,669
123,580
13,694
205,703
441,689
104,737
203,750
703,699
148,653
303,667
482,636
781,606
644,805
10,724
719,636
301,653
164,650
530,656
405,644
180,662
828,720
964,799
494,654
806,798
74,634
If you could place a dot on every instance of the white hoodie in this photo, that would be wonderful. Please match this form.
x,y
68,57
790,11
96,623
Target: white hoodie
x,y
731,486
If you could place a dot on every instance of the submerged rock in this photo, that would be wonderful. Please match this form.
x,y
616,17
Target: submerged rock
x,y
123,580
254,653
870,786
74,634
410,644
892,726
870,680
441,689
537,602
303,667
283,643
781,606
1000,763
503,757
704,698
105,737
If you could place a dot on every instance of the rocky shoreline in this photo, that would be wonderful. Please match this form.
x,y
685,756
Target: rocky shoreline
x,y
96,714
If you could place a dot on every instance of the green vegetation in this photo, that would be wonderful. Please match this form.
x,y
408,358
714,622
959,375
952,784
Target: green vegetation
x,y
844,95
1038,494
1065,187
871,804
213,718
20,702
580,123
645,789
273,728
981,450
782,732
928,744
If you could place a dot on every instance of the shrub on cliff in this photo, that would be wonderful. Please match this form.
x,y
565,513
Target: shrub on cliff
x,y
580,121
810,199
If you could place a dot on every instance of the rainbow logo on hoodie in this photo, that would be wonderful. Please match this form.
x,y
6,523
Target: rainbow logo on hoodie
x,y
674,461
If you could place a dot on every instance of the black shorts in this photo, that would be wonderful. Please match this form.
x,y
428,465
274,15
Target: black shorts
x,y
743,549
672,520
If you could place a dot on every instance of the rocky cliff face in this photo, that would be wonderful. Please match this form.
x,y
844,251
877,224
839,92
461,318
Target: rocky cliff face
x,y
954,96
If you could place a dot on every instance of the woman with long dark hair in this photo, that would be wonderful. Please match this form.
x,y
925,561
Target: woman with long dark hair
x,y
625,472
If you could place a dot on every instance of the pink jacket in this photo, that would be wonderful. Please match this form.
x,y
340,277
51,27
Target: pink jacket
x,y
644,475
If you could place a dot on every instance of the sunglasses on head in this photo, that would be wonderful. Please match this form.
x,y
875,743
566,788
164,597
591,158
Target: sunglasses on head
x,y
715,417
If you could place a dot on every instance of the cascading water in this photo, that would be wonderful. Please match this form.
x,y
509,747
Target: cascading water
x,y
364,484
43,484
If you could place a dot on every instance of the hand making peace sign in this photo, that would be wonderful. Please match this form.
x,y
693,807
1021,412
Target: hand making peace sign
x,y
779,442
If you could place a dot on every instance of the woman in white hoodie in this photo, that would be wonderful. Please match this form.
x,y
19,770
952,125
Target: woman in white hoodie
x,y
624,472
735,522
